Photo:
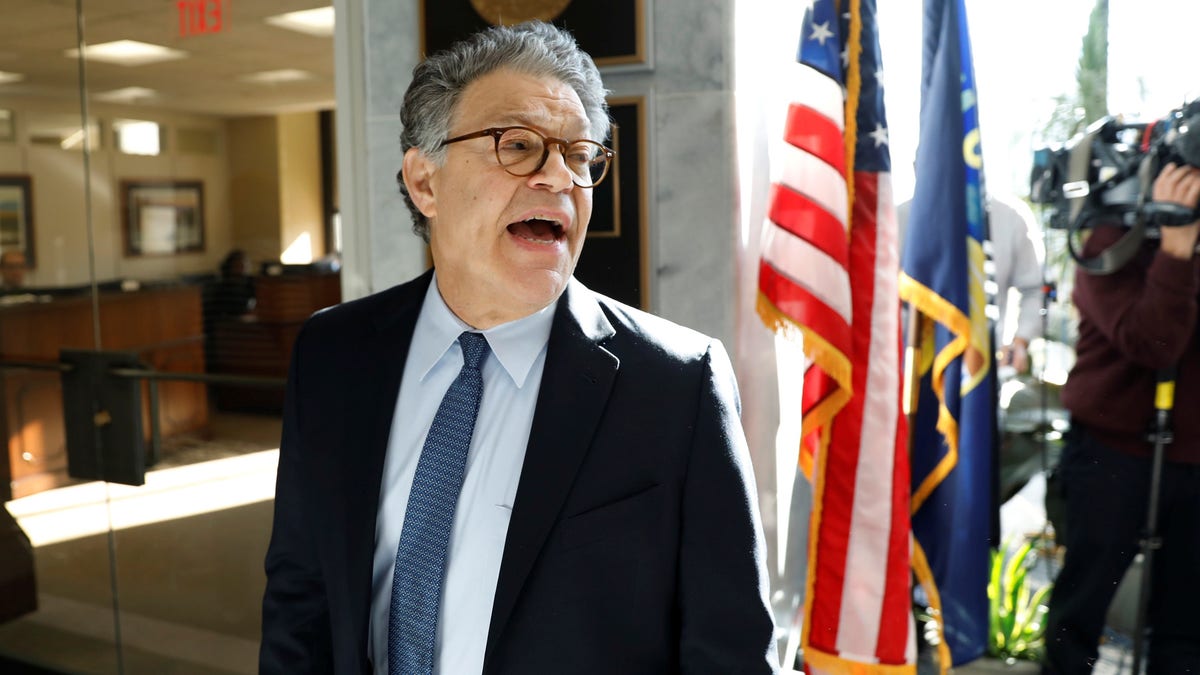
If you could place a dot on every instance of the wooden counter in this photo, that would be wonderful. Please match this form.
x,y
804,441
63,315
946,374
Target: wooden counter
x,y
261,344
163,325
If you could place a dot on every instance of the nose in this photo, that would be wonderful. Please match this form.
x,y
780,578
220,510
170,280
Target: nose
x,y
554,173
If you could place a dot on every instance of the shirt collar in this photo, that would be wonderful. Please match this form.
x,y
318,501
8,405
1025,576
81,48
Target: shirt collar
x,y
515,344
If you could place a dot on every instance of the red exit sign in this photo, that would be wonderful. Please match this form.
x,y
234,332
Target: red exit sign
x,y
198,17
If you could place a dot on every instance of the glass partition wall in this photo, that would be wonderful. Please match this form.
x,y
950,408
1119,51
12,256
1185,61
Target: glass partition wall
x,y
165,212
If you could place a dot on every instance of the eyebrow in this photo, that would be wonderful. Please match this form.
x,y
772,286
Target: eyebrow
x,y
525,120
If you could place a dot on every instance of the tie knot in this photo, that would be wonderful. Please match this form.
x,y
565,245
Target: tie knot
x,y
475,349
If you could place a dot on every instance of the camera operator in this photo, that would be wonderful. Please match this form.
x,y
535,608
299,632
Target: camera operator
x,y
1133,323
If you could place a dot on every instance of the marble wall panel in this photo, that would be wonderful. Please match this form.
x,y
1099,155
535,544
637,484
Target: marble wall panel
x,y
397,254
692,211
693,42
391,44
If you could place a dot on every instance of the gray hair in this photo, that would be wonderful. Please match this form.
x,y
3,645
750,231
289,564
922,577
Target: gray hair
x,y
532,48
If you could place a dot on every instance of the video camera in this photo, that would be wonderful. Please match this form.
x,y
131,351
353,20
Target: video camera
x,y
1105,176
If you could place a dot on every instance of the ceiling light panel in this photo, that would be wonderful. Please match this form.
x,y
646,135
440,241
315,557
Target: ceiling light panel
x,y
126,95
277,76
128,53
317,21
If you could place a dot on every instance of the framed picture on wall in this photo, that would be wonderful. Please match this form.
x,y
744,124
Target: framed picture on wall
x,y
162,217
614,259
613,32
16,216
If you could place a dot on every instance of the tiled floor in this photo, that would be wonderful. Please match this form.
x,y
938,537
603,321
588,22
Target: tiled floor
x,y
188,549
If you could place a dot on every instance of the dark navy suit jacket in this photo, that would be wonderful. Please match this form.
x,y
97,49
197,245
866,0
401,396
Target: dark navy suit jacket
x,y
634,545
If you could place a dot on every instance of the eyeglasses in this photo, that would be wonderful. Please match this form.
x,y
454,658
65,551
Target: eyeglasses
x,y
523,152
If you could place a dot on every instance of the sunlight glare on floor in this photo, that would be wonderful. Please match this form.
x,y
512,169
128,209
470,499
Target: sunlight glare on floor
x,y
179,492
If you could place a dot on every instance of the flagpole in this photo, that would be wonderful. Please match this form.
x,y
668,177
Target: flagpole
x,y
912,357
910,396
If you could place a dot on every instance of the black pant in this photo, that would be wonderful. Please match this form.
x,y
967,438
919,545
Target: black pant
x,y
1107,495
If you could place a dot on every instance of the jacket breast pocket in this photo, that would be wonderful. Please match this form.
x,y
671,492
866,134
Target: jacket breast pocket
x,y
621,518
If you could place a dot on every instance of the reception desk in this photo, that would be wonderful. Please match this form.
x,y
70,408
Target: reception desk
x,y
162,325
260,344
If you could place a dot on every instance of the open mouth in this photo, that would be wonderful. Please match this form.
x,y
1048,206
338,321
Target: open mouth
x,y
538,230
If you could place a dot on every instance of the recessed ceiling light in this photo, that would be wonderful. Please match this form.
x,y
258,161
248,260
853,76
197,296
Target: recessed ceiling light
x,y
317,21
277,76
7,77
128,53
126,95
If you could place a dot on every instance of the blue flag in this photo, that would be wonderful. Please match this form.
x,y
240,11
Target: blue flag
x,y
942,280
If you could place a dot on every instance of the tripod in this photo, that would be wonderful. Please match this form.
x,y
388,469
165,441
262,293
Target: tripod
x,y
1164,403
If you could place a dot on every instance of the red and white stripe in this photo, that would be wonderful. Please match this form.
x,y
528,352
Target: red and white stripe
x,y
859,607
830,267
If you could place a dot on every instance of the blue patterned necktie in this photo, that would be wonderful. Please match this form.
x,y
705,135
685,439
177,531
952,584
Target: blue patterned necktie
x,y
421,555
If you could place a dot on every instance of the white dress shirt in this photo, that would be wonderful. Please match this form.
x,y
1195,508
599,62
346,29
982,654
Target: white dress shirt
x,y
512,376
1016,255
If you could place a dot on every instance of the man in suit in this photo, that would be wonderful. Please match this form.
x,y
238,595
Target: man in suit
x,y
600,512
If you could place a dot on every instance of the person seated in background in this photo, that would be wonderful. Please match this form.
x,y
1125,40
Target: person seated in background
x,y
233,293
12,272
230,296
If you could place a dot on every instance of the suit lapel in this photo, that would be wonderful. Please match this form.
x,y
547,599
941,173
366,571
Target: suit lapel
x,y
370,411
578,377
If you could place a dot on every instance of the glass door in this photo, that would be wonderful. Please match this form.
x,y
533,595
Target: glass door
x,y
166,207
57,567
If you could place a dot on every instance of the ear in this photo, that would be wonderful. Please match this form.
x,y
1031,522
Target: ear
x,y
418,178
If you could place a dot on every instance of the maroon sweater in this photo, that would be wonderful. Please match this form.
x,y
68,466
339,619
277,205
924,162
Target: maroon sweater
x,y
1132,323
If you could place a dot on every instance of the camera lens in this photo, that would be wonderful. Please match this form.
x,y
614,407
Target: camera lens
x,y
1187,143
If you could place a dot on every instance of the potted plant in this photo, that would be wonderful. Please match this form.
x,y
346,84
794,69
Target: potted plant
x,y
1017,611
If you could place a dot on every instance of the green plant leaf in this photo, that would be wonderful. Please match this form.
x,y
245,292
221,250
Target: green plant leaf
x,y
1016,611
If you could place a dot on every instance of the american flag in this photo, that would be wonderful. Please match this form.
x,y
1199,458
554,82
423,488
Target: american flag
x,y
828,273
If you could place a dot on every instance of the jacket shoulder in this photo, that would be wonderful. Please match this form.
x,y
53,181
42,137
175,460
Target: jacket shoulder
x,y
656,336
378,310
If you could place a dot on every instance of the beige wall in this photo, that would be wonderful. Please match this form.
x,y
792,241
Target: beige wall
x,y
300,181
254,185
275,183
262,190
60,207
